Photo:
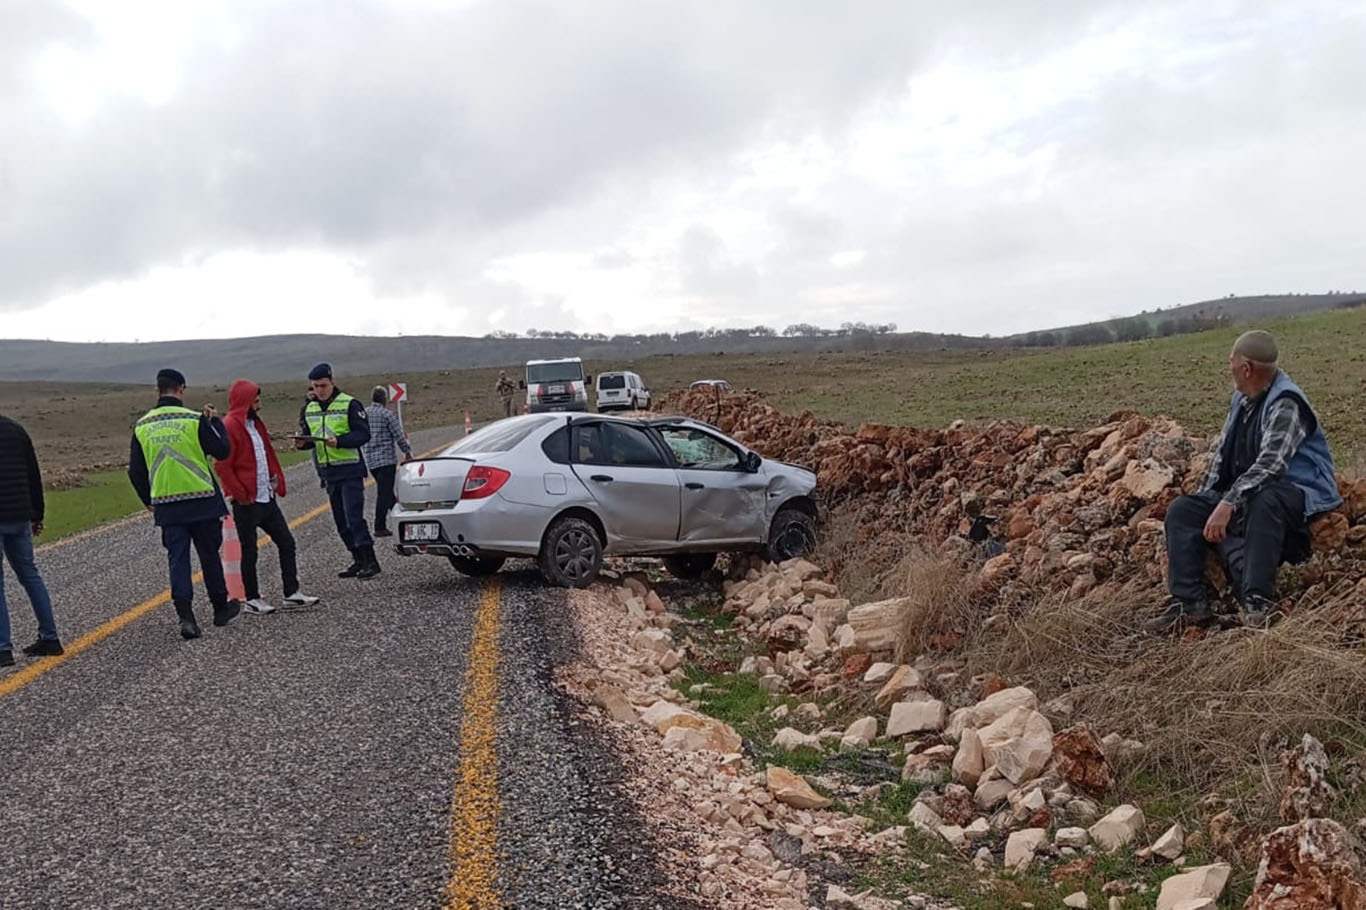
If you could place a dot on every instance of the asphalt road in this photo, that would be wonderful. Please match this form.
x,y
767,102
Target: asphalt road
x,y
400,745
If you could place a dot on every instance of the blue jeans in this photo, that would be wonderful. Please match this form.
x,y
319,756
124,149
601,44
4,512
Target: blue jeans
x,y
16,545
207,537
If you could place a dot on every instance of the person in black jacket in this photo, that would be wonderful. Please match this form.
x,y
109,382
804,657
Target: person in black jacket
x,y
21,519
193,516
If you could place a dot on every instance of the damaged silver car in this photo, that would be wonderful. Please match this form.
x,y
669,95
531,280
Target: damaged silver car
x,y
568,490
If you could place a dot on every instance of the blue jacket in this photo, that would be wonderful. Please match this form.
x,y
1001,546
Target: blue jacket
x,y
1311,467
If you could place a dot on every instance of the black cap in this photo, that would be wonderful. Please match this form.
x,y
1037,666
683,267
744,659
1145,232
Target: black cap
x,y
170,377
321,371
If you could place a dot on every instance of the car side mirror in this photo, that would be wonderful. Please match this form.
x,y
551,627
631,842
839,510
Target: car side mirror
x,y
521,383
753,461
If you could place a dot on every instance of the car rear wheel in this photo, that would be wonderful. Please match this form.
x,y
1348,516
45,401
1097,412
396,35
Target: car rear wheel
x,y
477,566
690,565
571,553
792,534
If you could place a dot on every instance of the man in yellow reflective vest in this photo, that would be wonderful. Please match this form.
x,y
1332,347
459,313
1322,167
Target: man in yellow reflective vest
x,y
335,426
168,465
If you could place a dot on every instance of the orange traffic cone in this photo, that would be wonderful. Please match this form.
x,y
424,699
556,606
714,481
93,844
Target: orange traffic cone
x,y
232,561
469,427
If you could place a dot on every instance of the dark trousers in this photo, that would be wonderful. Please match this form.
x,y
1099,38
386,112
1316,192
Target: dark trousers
x,y
384,493
1269,529
348,511
265,516
207,538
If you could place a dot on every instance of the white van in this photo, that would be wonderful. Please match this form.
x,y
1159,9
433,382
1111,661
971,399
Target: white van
x,y
622,391
556,385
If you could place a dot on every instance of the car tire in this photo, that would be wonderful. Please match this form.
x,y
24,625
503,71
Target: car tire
x,y
477,566
792,534
571,553
634,406
690,565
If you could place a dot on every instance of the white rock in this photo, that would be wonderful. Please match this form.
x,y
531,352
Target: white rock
x,y
902,681
959,721
980,829
1077,900
790,739
1198,903
954,835
793,790
656,640
1019,743
916,717
925,818
780,712
970,761
1200,883
994,707
864,730
835,896
1072,837
983,859
1021,845
879,672
808,711
1171,844
1118,829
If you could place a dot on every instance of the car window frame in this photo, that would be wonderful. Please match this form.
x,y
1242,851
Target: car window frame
x,y
661,450
735,447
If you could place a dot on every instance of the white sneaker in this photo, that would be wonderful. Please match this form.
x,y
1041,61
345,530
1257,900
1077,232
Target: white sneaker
x,y
258,607
300,599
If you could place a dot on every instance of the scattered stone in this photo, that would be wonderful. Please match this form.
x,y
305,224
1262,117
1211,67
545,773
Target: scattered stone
x,y
983,859
925,818
878,672
860,734
1019,743
916,717
793,790
1021,847
655,640
1202,882
970,761
808,711
701,732
994,707
615,703
953,835
1118,829
877,626
1080,760
902,681
1313,865
980,829
1171,844
789,739
1072,837
1077,900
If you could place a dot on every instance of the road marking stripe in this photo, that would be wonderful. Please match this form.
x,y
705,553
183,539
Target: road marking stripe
x,y
474,806
17,680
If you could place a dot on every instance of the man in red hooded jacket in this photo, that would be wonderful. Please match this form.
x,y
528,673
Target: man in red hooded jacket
x,y
252,479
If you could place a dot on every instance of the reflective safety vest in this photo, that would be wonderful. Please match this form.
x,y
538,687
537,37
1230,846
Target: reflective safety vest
x,y
335,421
176,463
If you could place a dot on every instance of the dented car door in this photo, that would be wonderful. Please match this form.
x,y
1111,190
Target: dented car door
x,y
722,502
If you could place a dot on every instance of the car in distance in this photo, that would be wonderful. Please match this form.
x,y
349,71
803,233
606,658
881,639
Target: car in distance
x,y
556,385
720,384
622,391
569,490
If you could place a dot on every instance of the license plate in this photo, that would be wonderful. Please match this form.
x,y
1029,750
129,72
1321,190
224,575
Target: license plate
x,y
556,390
429,530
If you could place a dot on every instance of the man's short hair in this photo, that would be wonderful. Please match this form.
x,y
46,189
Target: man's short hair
x,y
379,395
169,380
1258,347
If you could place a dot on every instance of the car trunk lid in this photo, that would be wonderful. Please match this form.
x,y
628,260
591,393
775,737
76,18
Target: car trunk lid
x,y
431,483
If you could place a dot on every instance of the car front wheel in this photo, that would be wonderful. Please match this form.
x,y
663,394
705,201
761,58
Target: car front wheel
x,y
571,553
690,565
477,566
792,534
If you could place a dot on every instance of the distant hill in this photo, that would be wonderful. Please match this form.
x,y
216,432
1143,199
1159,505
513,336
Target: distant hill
x,y
282,357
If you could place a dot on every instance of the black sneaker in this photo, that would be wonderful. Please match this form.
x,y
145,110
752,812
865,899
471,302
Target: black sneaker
x,y
44,647
1179,612
357,563
6,658
226,613
1258,612
371,566
383,532
189,629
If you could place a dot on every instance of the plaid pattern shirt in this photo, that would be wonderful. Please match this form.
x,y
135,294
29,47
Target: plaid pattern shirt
x,y
1281,437
385,433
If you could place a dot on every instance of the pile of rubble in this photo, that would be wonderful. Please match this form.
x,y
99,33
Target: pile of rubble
x,y
1073,509
735,836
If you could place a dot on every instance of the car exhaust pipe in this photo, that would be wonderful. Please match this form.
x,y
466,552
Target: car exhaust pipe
x,y
462,550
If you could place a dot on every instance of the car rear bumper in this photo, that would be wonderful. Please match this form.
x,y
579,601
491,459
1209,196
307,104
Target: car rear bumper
x,y
482,527
557,406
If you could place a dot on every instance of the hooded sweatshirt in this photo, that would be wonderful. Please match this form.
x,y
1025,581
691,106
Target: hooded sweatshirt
x,y
239,471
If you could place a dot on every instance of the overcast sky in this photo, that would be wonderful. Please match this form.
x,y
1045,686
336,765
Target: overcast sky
x,y
206,168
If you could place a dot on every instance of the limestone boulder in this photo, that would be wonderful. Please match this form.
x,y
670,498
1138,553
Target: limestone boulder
x,y
1021,847
924,716
792,789
1119,828
970,760
1200,883
1019,744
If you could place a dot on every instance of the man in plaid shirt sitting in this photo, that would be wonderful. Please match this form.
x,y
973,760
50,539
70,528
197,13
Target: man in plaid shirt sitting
x,y
1272,473
385,433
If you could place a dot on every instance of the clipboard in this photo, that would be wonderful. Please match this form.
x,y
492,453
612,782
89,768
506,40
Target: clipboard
x,y
307,436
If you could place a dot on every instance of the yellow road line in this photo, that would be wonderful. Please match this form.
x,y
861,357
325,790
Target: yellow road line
x,y
17,680
474,807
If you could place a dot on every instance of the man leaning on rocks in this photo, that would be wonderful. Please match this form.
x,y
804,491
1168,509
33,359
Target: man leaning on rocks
x,y
1272,472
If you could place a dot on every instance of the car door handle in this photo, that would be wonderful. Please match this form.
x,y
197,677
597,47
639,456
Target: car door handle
x,y
602,478
693,486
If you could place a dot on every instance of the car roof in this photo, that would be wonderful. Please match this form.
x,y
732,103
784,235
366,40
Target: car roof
x,y
555,360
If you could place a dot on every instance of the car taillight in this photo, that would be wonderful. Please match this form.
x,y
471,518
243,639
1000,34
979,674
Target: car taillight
x,y
483,481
